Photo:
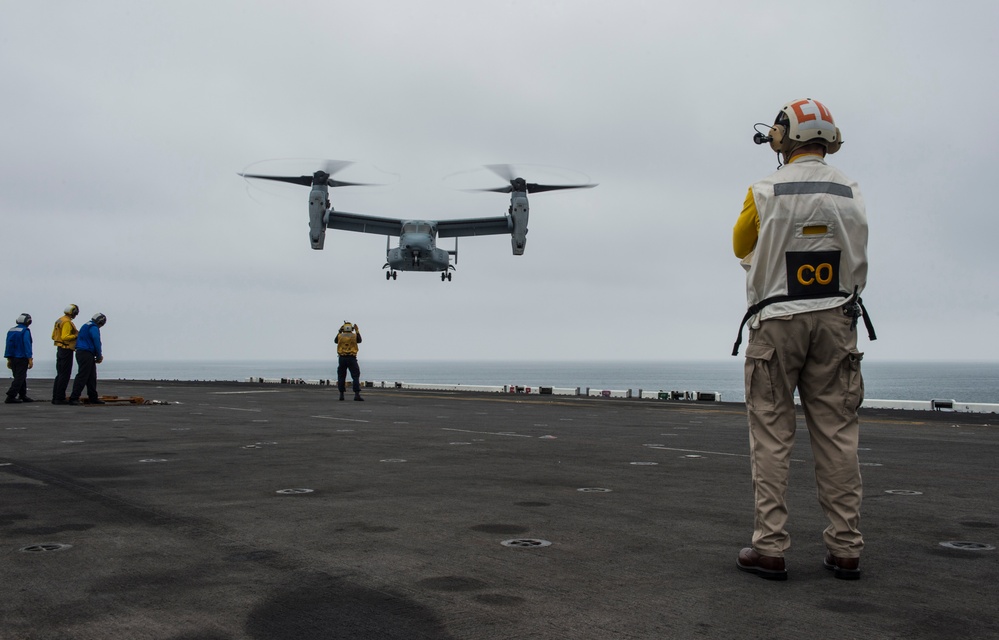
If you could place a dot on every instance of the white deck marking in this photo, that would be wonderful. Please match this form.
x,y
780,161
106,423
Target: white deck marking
x,y
490,433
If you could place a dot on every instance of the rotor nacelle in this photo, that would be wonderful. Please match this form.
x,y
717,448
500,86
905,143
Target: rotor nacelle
x,y
519,212
319,202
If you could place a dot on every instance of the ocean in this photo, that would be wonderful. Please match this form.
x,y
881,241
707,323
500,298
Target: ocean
x,y
972,382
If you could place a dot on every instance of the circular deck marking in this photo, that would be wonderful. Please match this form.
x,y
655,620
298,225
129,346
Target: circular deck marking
x,y
252,446
964,545
526,543
71,441
594,490
691,455
644,464
294,492
45,547
904,492
154,460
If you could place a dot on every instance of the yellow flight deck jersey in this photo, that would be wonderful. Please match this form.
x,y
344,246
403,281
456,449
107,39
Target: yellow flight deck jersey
x,y
64,333
346,344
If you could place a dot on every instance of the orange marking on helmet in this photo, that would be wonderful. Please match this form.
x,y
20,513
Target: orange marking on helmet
x,y
806,117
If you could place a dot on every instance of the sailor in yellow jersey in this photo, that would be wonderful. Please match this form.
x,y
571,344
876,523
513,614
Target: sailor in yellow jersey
x,y
64,336
346,341
802,237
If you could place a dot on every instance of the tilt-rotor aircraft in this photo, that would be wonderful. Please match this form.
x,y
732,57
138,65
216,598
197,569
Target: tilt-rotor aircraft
x,y
417,249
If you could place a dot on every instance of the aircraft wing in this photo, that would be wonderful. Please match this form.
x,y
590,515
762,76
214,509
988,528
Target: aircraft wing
x,y
363,223
473,227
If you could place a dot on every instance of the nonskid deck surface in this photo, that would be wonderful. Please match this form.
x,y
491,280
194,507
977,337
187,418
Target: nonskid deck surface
x,y
275,511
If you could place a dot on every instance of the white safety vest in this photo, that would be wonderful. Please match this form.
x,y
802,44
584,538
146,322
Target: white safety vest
x,y
811,252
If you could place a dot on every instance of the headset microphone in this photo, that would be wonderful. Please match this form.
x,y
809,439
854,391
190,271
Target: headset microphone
x,y
759,138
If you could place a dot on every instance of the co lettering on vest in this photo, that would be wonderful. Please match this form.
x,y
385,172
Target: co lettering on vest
x,y
812,272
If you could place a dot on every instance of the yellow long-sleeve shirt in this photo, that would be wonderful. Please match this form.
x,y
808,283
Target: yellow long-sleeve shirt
x,y
747,227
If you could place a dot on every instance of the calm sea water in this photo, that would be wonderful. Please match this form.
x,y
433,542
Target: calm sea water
x,y
964,382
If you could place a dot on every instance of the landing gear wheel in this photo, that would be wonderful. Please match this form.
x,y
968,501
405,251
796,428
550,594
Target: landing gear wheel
x,y
395,275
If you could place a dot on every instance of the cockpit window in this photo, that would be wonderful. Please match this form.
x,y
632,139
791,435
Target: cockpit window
x,y
415,227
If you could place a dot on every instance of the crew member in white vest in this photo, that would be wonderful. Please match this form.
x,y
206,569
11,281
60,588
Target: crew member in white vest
x,y
802,236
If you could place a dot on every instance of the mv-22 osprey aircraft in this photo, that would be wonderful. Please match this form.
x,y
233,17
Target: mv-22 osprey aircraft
x,y
417,250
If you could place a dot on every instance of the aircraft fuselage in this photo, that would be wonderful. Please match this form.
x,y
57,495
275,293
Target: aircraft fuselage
x,y
417,250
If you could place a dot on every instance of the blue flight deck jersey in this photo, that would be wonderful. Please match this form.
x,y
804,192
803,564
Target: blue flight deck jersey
x,y
18,343
89,339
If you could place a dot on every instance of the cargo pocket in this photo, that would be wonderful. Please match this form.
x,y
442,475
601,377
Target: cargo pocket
x,y
759,378
853,382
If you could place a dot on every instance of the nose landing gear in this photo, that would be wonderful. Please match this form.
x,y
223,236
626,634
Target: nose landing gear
x,y
391,275
446,276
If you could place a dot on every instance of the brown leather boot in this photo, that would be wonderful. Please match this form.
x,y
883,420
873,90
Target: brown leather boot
x,y
766,567
843,568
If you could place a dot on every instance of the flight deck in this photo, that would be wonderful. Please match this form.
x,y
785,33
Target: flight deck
x,y
225,511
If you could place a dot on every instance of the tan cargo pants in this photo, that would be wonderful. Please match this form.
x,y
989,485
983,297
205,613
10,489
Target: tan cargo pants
x,y
816,353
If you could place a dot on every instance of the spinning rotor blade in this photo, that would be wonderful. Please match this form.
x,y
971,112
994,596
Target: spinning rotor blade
x,y
505,171
302,180
330,167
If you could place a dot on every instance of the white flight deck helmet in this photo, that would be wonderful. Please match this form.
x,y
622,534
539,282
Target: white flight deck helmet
x,y
72,311
801,122
99,319
24,318
347,327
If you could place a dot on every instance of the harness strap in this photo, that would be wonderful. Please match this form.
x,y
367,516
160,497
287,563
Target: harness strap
x,y
867,321
754,309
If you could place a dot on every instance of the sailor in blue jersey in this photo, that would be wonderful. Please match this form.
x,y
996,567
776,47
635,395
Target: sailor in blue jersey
x,y
88,356
19,359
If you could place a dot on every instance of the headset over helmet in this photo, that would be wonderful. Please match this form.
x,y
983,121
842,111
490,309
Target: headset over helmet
x,y
24,318
347,327
72,310
803,122
99,319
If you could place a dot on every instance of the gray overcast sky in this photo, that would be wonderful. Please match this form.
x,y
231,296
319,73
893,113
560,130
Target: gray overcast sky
x,y
124,124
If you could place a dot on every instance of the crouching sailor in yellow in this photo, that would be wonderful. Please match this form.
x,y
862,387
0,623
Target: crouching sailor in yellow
x,y
802,236
347,340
